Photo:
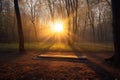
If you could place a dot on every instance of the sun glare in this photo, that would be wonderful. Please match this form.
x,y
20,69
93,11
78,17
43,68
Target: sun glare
x,y
57,27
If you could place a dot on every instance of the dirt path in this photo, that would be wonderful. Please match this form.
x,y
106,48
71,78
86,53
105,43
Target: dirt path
x,y
99,60
25,67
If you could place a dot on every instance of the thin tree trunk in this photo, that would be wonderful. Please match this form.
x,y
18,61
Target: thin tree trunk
x,y
35,32
68,8
91,18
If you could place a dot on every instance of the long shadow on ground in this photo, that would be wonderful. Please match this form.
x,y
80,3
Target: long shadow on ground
x,y
102,73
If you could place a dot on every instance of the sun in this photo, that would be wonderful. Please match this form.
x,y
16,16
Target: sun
x,y
57,27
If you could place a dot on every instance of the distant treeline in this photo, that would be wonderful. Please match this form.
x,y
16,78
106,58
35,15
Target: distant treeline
x,y
87,20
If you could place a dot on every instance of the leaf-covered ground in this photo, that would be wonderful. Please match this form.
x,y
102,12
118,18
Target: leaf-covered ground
x,y
24,67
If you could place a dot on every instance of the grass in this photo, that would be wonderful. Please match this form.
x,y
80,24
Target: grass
x,y
82,47
94,47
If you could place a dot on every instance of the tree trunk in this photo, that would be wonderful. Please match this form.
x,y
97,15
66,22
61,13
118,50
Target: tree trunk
x,y
68,10
91,18
20,32
116,31
35,31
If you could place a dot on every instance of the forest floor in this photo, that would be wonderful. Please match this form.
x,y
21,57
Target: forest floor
x,y
62,62
27,66
51,46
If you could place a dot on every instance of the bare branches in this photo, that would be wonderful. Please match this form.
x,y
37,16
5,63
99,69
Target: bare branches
x,y
51,8
108,2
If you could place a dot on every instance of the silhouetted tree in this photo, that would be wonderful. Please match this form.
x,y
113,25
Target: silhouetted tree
x,y
20,31
116,31
91,19
51,8
1,5
72,12
32,4
68,10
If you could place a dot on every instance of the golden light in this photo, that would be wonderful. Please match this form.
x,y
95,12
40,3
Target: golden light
x,y
58,30
57,27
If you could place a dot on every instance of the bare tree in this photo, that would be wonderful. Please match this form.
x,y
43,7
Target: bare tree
x,y
91,19
116,31
51,8
68,10
72,10
20,31
75,18
109,3
1,5
100,36
32,4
